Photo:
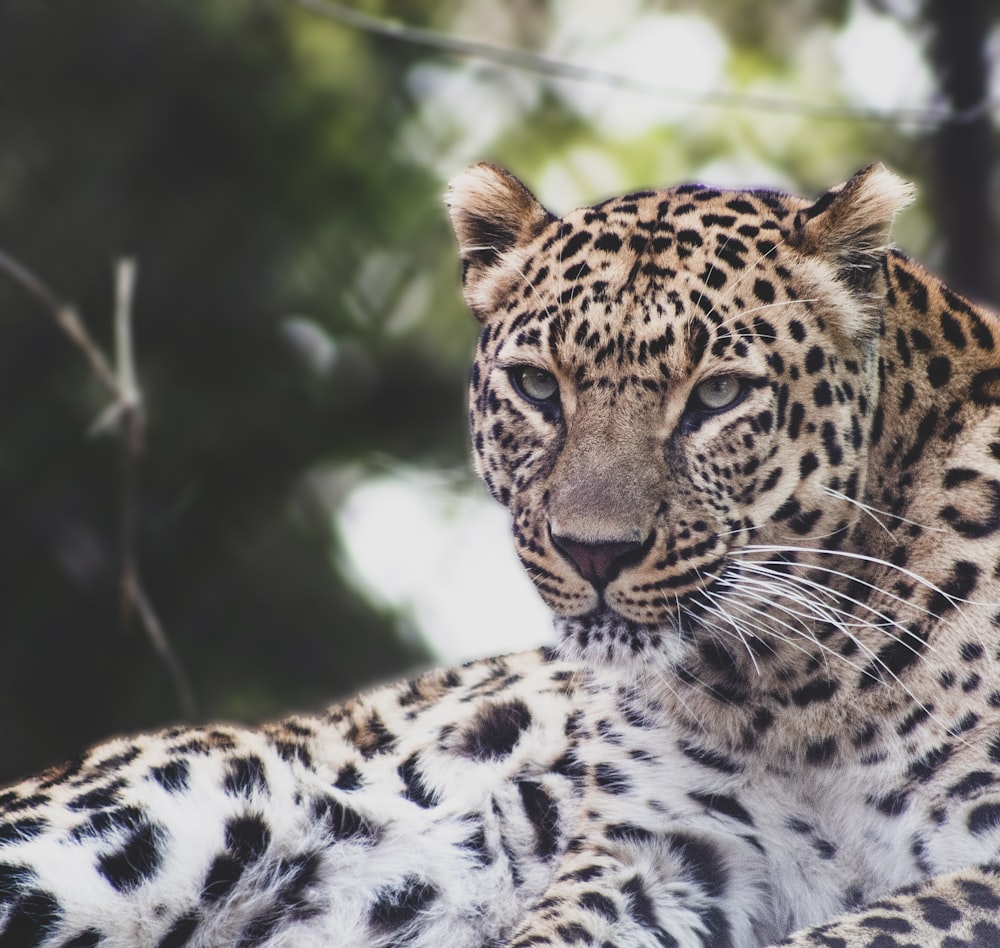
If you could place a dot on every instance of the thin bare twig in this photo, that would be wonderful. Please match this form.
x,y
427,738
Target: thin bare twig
x,y
67,318
125,412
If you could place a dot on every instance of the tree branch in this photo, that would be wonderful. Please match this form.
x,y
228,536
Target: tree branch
x,y
125,412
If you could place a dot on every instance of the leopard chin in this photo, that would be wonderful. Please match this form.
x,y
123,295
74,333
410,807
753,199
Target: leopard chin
x,y
604,638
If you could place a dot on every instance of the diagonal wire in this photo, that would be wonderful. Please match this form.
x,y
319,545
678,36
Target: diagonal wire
x,y
538,63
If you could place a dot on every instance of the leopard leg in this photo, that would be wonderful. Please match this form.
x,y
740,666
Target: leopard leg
x,y
958,910
639,888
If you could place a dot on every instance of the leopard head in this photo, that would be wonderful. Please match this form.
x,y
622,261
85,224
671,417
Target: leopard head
x,y
666,379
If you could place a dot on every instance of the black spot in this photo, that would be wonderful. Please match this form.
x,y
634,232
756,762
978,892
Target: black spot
x,y
247,838
912,721
892,659
610,779
807,464
496,730
640,904
98,798
824,848
741,206
106,822
984,935
348,778
887,923
925,767
136,862
723,803
834,452
764,291
572,933
543,812
599,904
344,822
245,776
937,912
11,802
221,878
963,580
983,818
714,277
938,371
822,394
815,360
952,330
292,751
821,751
414,787
988,521
715,220
395,908
19,830
703,862
979,895
577,271
609,242
820,689
892,803
32,920
116,761
985,387
14,880
971,784
709,758
574,245
371,736
172,776
180,932
971,651
925,430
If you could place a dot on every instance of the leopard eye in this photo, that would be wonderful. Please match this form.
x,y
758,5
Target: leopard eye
x,y
534,384
717,393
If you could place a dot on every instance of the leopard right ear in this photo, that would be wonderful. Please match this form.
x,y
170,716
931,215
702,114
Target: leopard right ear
x,y
491,213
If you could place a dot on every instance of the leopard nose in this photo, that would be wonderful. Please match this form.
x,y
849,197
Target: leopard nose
x,y
599,563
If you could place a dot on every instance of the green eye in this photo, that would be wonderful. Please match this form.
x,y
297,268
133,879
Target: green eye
x,y
717,393
534,384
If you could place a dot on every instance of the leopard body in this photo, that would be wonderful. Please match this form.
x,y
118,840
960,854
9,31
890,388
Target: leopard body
x,y
752,459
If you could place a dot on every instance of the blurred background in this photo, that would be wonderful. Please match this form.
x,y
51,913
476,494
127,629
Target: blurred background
x,y
302,516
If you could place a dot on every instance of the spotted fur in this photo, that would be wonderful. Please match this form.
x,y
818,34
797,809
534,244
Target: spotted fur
x,y
752,459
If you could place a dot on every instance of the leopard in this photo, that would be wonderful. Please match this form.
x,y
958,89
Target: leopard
x,y
751,457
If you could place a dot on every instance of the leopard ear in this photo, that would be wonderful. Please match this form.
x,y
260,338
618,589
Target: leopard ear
x,y
491,213
849,227
853,220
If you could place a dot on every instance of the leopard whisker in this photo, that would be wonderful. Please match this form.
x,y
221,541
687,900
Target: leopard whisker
x,y
802,582
861,557
875,513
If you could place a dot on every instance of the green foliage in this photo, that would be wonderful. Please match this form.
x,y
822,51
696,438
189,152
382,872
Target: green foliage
x,y
250,184
278,178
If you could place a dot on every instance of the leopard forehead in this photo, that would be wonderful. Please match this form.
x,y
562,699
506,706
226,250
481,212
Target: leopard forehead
x,y
642,288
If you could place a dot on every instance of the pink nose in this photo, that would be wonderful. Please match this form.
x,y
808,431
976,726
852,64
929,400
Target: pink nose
x,y
599,563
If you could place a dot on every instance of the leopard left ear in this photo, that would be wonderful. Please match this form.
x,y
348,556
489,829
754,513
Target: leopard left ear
x,y
850,227
492,213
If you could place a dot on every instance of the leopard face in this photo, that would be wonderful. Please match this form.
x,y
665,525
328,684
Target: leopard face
x,y
665,381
